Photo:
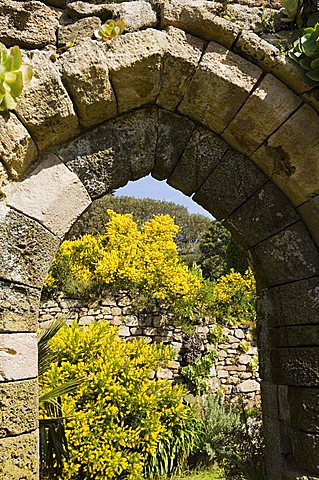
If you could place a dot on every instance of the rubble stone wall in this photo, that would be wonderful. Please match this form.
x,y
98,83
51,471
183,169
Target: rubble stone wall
x,y
235,374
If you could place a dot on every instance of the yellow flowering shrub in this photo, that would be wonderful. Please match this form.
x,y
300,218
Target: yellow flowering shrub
x,y
124,257
119,419
234,298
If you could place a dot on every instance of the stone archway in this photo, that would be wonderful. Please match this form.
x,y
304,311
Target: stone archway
x,y
221,115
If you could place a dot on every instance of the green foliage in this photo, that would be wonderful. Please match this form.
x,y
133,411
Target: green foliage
x,y
305,52
144,262
219,423
244,458
191,226
293,10
197,375
219,253
234,299
109,30
53,443
13,76
121,424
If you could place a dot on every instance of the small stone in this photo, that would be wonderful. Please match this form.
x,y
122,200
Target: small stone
x,y
249,386
86,320
244,359
78,31
239,333
164,373
124,331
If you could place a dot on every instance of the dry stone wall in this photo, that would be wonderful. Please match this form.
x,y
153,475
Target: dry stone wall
x,y
235,374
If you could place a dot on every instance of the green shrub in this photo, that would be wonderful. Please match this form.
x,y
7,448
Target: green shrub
x,y
234,299
143,261
219,423
305,52
121,424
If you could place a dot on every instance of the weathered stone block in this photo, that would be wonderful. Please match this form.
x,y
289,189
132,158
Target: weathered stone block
x,y
269,399
183,54
233,180
52,194
270,59
292,474
27,248
292,165
296,336
134,61
266,109
27,24
84,28
19,306
137,15
309,213
288,256
304,408
86,74
305,448
203,152
19,457
18,407
296,366
18,356
173,134
226,79
114,153
257,50
296,303
275,449
17,149
252,221
200,19
53,120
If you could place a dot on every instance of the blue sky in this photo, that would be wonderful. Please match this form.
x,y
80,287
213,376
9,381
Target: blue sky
x,y
148,187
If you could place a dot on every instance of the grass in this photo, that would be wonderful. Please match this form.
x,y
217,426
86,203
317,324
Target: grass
x,y
201,475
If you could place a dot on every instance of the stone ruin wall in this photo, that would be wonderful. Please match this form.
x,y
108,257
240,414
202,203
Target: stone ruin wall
x,y
234,374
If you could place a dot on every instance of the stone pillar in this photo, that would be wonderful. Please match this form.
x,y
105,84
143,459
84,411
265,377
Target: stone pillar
x,y
290,370
25,254
18,382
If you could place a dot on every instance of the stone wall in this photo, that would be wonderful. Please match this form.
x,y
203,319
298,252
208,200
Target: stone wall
x,y
235,374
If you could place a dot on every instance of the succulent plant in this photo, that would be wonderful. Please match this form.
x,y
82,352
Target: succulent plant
x,y
305,51
13,76
109,30
292,9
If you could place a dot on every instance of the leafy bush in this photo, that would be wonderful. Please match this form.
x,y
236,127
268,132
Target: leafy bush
x,y
191,226
218,422
121,424
305,52
245,457
234,298
141,261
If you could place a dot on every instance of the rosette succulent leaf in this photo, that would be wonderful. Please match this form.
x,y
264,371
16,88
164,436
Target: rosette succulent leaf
x,y
292,9
109,30
13,76
305,51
